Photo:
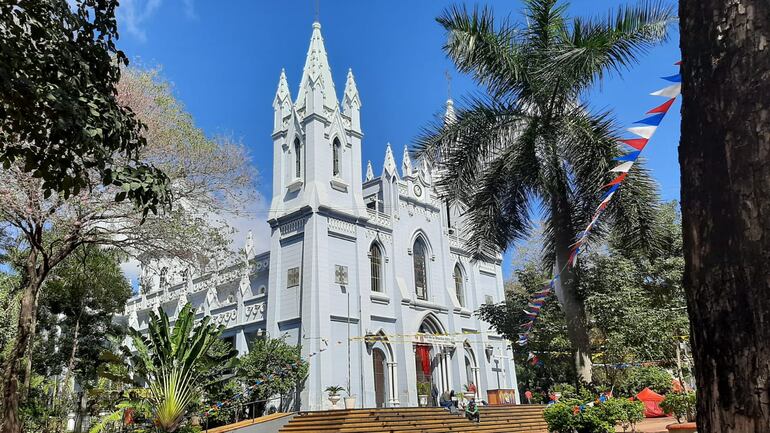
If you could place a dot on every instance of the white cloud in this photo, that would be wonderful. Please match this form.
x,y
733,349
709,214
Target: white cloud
x,y
189,9
132,15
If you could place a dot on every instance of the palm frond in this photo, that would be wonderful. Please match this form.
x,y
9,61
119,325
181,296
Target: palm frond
x,y
464,149
480,47
595,47
634,212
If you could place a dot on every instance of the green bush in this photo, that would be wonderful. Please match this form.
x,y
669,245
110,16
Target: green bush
x,y
562,418
622,411
681,404
593,418
637,378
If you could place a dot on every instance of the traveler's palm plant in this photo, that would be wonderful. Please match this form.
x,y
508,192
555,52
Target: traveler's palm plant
x,y
531,142
170,359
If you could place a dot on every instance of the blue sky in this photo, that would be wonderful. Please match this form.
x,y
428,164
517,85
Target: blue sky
x,y
224,58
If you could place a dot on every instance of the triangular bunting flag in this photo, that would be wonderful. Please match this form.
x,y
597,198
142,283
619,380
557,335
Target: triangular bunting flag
x,y
674,78
662,108
617,180
653,120
669,92
630,156
623,168
636,143
678,63
643,131
609,192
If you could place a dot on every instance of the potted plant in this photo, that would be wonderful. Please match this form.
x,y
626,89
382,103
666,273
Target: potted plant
x,y
682,405
423,391
334,394
350,400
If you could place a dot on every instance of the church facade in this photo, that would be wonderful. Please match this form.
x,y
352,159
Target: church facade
x,y
367,273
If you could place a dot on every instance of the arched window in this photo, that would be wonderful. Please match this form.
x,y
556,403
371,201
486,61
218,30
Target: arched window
x,y
336,157
459,285
419,254
375,261
297,158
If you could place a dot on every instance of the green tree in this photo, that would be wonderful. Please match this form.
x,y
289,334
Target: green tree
x,y
75,320
59,112
171,360
274,368
635,305
211,178
533,141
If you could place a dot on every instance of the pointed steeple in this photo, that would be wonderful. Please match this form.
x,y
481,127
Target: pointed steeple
x,y
351,102
449,114
369,171
316,75
389,166
282,93
406,164
281,102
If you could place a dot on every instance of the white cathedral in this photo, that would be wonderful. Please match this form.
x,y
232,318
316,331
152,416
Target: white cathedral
x,y
368,274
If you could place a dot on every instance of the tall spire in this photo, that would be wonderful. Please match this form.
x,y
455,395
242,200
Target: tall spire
x,y
317,72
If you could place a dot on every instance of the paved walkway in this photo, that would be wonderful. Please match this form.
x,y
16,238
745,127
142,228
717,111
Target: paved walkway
x,y
652,425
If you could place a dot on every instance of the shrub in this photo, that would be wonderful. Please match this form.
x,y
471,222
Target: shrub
x,y
681,404
622,411
638,378
563,418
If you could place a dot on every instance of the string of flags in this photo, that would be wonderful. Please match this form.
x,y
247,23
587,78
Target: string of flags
x,y
215,407
643,133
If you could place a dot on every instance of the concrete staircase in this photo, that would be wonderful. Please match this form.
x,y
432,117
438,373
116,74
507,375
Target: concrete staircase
x,y
502,419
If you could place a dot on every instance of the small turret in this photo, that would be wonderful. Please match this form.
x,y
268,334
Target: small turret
x,y
281,103
369,171
406,164
389,166
351,102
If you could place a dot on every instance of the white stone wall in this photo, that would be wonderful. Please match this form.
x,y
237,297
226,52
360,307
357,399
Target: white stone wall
x,y
319,222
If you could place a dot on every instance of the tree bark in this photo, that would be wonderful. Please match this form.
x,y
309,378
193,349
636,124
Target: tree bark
x,y
13,368
566,291
725,160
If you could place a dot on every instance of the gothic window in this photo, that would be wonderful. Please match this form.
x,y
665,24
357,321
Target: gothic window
x,y
419,255
297,158
459,285
375,262
336,149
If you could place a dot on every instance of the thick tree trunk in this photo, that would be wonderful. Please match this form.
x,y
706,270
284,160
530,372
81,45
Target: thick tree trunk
x,y
566,291
14,368
725,159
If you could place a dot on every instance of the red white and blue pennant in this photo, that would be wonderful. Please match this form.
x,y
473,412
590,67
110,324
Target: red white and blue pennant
x,y
643,132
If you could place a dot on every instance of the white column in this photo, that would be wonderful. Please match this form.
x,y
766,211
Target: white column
x,y
240,342
475,371
393,376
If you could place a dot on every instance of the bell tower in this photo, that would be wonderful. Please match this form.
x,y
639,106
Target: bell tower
x,y
317,140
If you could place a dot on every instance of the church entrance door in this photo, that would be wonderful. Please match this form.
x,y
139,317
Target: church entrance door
x,y
380,390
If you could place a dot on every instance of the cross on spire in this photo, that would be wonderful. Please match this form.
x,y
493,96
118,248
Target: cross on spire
x,y
448,84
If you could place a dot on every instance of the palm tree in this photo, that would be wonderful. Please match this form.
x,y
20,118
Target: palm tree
x,y
531,144
170,361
